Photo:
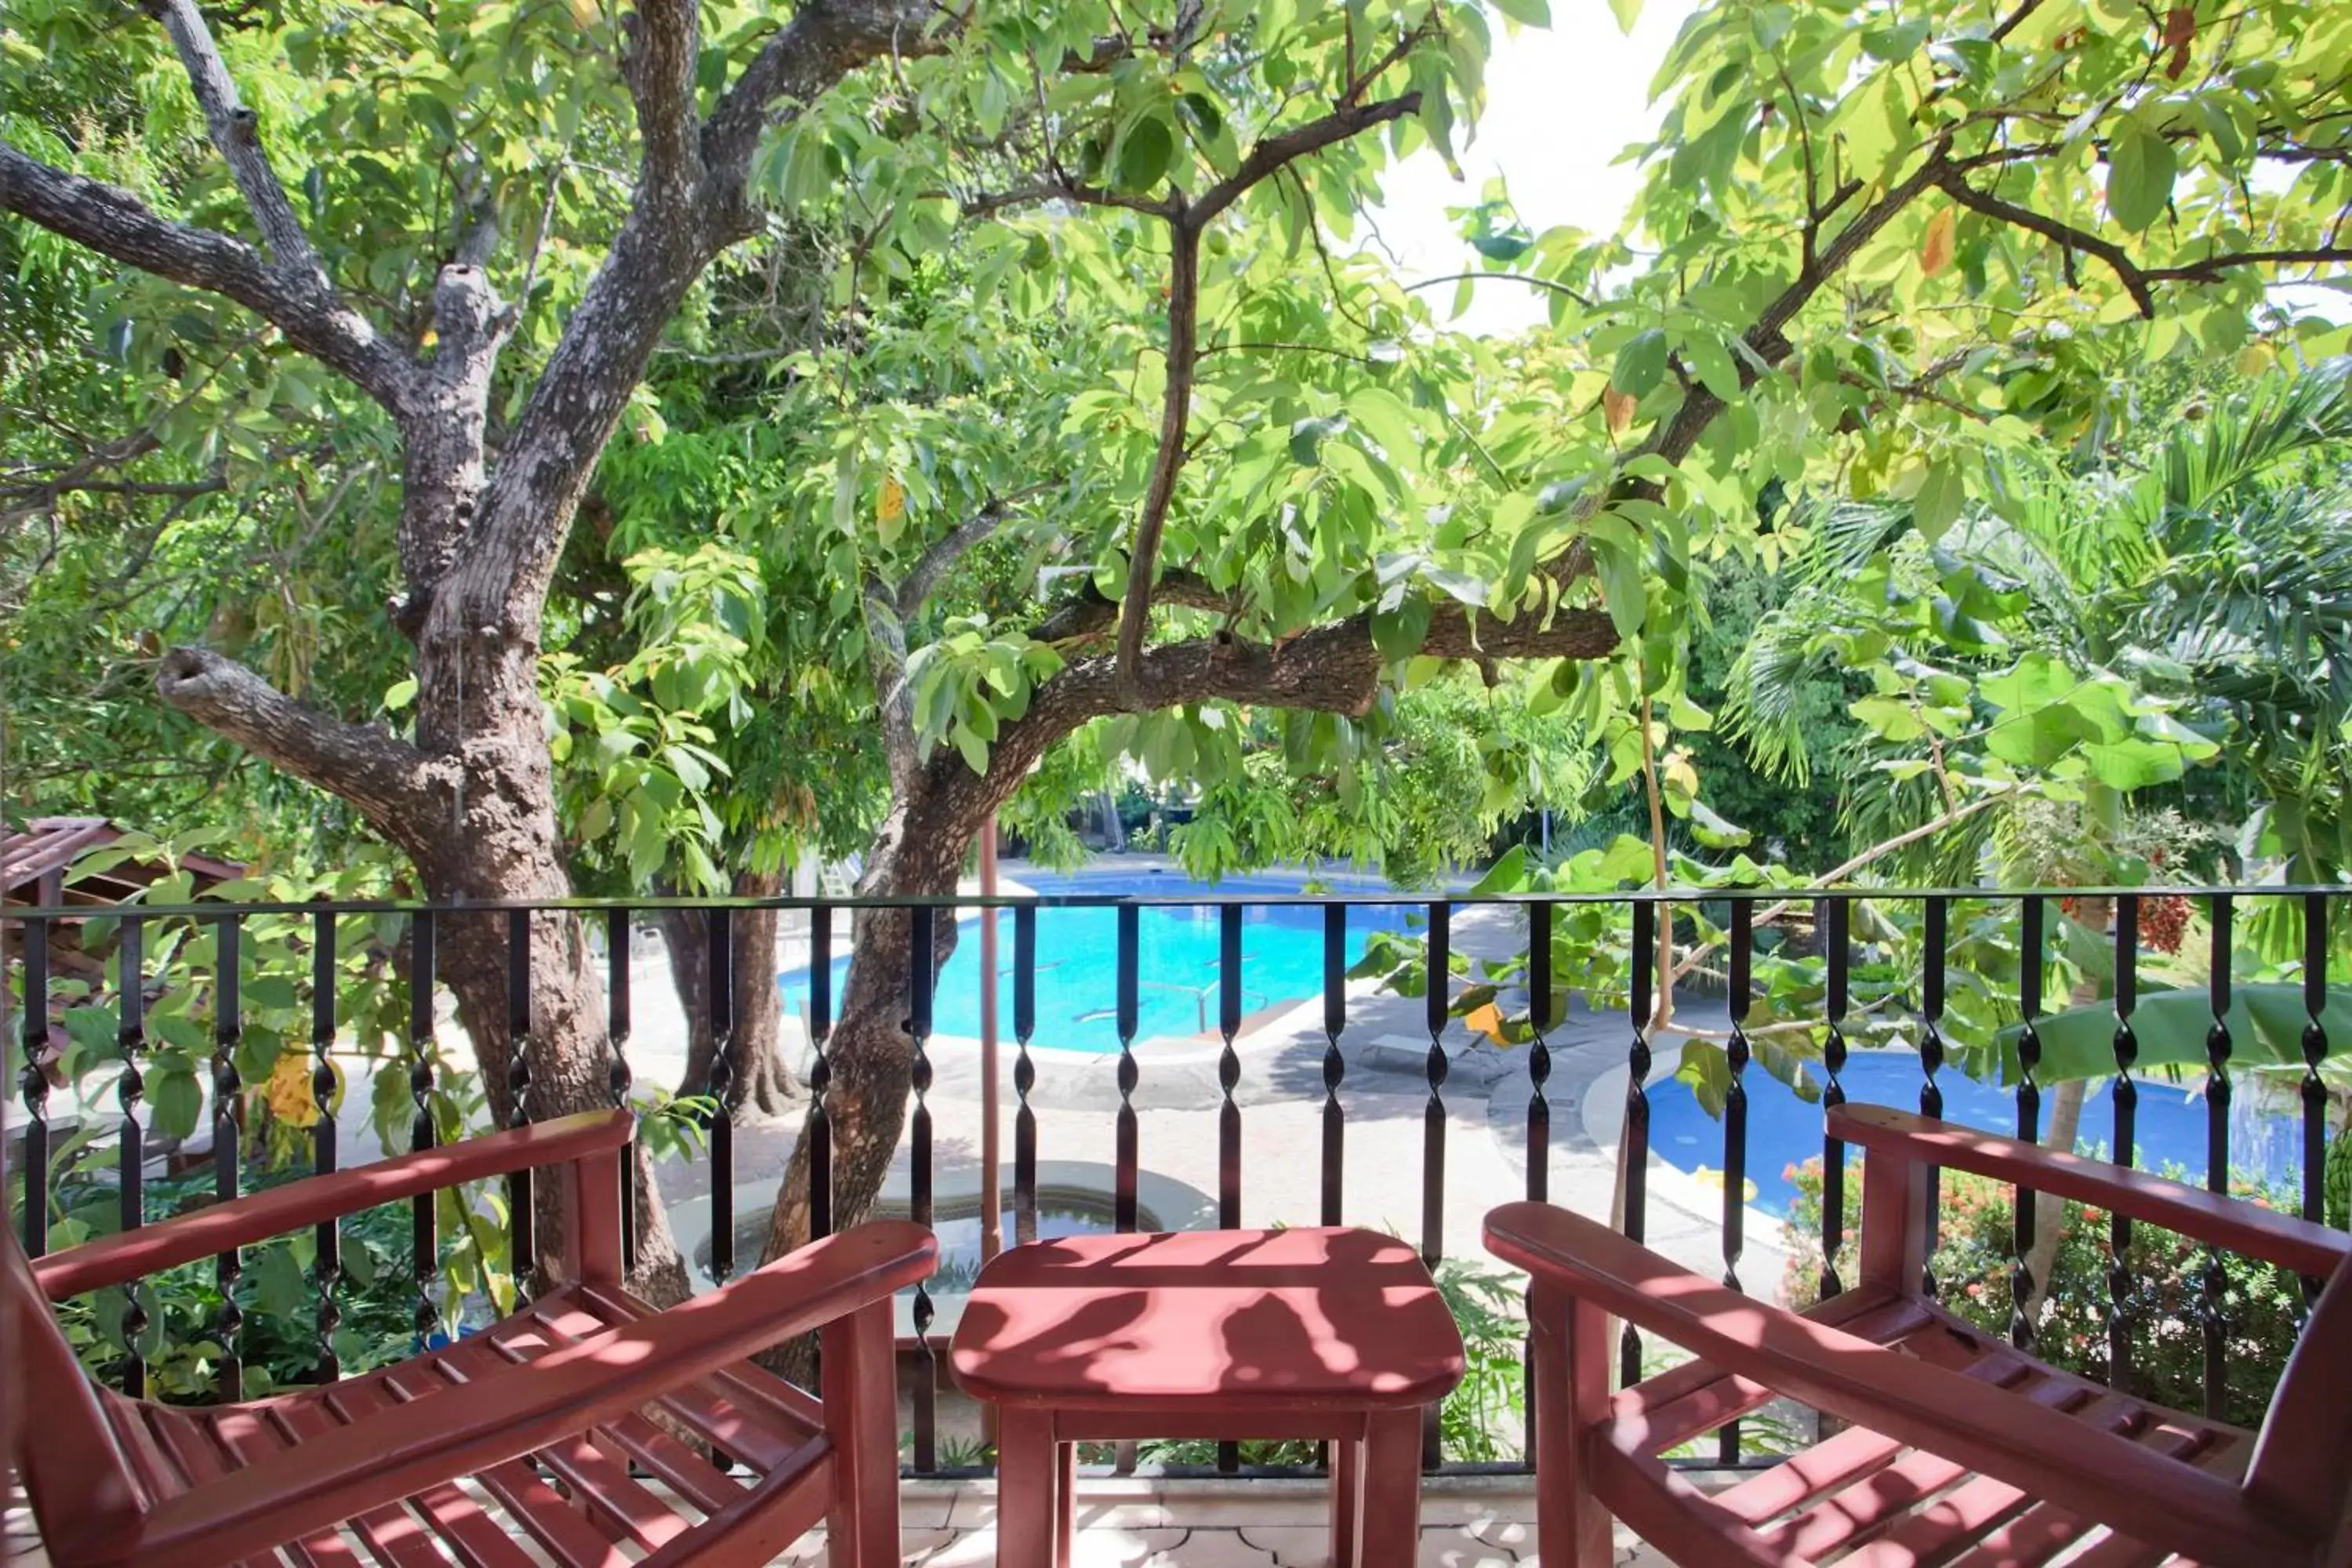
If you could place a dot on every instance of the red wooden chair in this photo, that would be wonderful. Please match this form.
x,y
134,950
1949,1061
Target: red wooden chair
x,y
1961,1450
536,1427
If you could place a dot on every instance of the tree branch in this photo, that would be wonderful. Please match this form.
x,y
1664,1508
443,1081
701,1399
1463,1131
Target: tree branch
x,y
1059,188
1175,415
824,41
1333,668
2209,268
392,784
1546,284
657,62
936,561
894,694
116,223
2135,282
1186,220
1274,153
236,133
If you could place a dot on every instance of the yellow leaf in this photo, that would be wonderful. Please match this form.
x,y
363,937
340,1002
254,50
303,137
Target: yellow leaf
x,y
288,1091
584,11
1935,250
894,500
2253,359
1618,406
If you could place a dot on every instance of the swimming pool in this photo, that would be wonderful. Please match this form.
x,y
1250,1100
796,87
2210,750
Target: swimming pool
x,y
1784,1131
1177,973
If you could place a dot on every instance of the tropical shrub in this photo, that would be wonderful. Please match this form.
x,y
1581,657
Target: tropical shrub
x,y
1974,1255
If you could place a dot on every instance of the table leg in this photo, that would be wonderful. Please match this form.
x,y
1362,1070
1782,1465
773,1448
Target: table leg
x,y
1347,1499
1065,1504
1388,1523
1025,1467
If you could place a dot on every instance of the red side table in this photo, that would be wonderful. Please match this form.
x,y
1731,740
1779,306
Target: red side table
x,y
1337,1334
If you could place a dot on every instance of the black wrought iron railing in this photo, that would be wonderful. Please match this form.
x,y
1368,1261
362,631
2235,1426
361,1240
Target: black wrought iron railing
x,y
1813,999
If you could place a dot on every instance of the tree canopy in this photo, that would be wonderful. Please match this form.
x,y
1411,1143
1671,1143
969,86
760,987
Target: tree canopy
x,y
614,446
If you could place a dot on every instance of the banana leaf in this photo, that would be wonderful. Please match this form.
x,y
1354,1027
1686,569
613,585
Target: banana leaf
x,y
2265,1021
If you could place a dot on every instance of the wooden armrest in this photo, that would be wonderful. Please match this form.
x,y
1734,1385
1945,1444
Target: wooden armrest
x,y
2098,1473
134,1254
391,1455
2289,1242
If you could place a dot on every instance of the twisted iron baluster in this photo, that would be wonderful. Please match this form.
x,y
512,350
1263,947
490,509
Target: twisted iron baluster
x,y
2028,1114
228,1322
2315,1090
424,1244
327,1265
1229,1115
719,1085
2213,1280
1539,1022
522,1230
618,1080
1833,914
1433,1132
35,1080
1735,1125
820,1071
920,979
1931,1061
130,1017
1634,1152
1024,1074
1124,1176
2120,1295
1335,1066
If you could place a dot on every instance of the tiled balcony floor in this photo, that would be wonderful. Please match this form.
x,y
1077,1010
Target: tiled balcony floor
x,y
1141,1523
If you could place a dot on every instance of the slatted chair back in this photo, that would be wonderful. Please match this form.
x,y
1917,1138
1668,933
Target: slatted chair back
x,y
76,1474
2303,1457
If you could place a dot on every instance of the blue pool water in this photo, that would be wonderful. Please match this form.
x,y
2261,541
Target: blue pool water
x,y
1078,960
1784,1131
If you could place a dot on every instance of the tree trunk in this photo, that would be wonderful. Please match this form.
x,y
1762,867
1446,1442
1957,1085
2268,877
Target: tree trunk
x,y
760,1082
499,842
920,852
2065,1127
2049,1209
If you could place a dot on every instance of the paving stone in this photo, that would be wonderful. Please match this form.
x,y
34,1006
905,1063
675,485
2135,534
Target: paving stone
x,y
1292,1545
1447,1547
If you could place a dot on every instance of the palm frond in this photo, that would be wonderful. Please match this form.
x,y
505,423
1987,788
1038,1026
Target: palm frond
x,y
2204,461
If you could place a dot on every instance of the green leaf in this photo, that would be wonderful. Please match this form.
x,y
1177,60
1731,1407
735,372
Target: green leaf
x,y
2265,1023
1529,12
1399,633
2140,167
1640,364
172,1090
1145,153
1384,417
1941,495
1621,588
400,694
1306,439
1627,13
1897,42
1713,830
1711,363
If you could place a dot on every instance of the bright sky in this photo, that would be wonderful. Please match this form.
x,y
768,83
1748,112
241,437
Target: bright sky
x,y
1562,104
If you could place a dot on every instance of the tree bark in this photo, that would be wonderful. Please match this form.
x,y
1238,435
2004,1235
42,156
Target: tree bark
x,y
760,1082
2065,1127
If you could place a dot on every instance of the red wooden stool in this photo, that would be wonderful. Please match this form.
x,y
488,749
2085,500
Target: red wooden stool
x,y
1336,1334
